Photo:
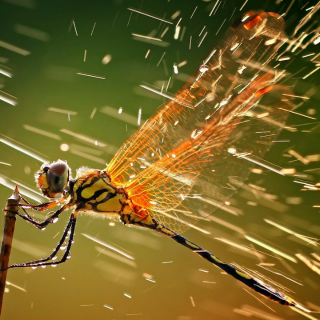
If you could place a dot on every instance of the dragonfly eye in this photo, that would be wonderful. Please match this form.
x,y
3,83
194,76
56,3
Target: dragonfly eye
x,y
53,178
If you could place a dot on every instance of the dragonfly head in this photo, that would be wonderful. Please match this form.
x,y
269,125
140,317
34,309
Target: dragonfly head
x,y
53,178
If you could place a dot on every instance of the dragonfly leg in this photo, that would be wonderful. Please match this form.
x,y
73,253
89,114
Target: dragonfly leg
x,y
48,261
42,225
25,200
39,207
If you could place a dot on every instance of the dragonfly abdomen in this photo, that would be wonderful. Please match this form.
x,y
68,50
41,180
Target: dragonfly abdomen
x,y
250,281
245,278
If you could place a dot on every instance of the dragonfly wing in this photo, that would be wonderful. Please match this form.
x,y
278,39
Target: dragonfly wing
x,y
197,149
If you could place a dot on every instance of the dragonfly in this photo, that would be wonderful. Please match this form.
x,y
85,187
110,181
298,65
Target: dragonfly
x,y
191,156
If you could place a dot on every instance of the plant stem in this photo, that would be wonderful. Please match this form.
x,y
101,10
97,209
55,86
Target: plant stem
x,y
10,210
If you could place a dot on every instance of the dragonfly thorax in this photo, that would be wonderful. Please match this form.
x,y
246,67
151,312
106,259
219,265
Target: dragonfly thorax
x,y
92,191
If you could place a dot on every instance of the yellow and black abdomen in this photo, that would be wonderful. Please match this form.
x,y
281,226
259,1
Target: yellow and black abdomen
x,y
93,191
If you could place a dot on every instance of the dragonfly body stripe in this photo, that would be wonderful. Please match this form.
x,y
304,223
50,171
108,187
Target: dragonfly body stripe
x,y
216,259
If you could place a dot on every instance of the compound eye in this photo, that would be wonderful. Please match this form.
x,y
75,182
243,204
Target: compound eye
x,y
57,176
53,179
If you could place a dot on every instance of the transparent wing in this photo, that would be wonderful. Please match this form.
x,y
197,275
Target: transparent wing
x,y
196,150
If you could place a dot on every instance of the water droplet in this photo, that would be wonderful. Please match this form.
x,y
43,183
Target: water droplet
x,y
43,266
203,68
54,258
55,220
64,147
316,40
106,59
34,267
27,170
175,68
53,265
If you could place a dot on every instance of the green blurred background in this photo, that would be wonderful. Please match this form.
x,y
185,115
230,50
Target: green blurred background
x,y
47,78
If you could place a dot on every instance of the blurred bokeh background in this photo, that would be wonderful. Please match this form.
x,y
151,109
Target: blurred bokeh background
x,y
50,108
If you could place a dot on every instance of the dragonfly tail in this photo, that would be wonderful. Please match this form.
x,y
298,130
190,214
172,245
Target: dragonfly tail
x,y
254,283
242,276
